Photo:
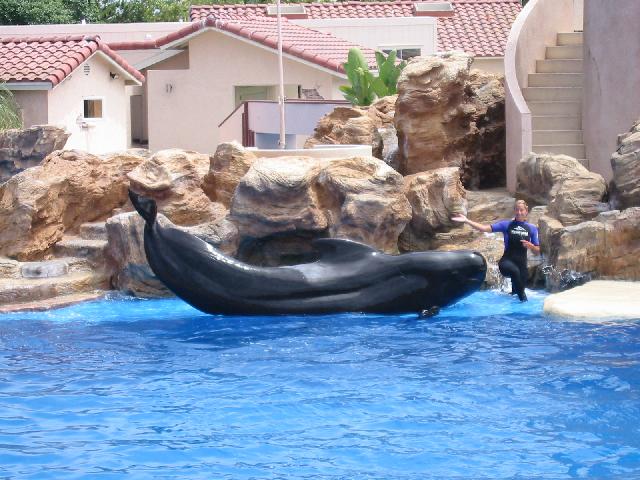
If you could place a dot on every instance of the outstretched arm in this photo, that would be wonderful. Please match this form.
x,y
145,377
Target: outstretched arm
x,y
478,226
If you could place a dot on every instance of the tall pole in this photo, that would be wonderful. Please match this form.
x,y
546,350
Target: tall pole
x,y
282,141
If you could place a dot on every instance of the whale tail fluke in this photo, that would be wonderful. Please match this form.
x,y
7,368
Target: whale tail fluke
x,y
145,206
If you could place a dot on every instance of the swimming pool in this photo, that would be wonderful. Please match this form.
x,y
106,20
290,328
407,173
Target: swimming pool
x,y
490,388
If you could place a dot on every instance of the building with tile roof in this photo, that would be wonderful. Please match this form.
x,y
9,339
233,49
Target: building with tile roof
x,y
76,82
478,27
225,62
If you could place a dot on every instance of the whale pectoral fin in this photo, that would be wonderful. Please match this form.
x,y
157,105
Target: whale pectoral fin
x,y
145,206
338,249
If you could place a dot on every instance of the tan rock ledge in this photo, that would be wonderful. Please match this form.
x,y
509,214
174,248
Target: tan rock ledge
x,y
597,300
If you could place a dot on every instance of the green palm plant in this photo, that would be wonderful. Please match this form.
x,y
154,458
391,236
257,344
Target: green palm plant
x,y
365,87
10,115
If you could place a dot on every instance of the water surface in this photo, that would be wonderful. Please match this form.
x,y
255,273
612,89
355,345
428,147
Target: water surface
x,y
488,389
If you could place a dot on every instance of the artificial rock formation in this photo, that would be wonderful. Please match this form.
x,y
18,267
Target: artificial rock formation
x,y
357,126
449,116
174,178
21,149
573,193
606,247
359,198
228,165
625,163
435,196
71,187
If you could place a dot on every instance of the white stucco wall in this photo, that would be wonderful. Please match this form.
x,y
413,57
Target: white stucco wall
x,y
107,134
33,104
380,33
186,106
611,77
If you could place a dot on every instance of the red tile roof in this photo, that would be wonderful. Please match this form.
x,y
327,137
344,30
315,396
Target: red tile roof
x,y
320,48
480,27
52,59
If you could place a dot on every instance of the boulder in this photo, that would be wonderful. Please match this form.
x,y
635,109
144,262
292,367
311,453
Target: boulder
x,y
357,126
228,165
448,116
174,178
435,196
625,162
304,198
277,196
20,149
489,206
572,192
606,247
365,201
71,187
127,260
579,198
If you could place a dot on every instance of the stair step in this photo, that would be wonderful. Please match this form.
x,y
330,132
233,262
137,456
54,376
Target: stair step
x,y
93,231
555,108
569,38
555,80
556,122
557,137
44,269
54,302
566,65
575,151
19,290
72,246
552,94
564,51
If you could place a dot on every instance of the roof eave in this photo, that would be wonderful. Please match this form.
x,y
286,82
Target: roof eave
x,y
27,85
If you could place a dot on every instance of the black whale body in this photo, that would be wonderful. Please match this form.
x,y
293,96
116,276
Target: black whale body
x,y
348,276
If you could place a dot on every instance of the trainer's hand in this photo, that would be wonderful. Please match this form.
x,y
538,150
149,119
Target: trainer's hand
x,y
460,218
527,244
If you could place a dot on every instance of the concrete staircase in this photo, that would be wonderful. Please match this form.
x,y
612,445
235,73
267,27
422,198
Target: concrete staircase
x,y
77,272
554,96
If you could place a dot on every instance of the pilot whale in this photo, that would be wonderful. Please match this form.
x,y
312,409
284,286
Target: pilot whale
x,y
347,277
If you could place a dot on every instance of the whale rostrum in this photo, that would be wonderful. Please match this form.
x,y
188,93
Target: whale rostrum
x,y
347,277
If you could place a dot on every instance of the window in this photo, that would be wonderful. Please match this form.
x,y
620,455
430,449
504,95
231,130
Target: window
x,y
92,108
403,53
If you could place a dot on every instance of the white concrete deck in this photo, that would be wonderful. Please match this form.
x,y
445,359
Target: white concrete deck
x,y
597,300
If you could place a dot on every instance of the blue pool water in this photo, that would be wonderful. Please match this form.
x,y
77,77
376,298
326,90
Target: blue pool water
x,y
489,389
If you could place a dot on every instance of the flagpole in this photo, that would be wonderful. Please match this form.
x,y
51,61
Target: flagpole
x,y
282,140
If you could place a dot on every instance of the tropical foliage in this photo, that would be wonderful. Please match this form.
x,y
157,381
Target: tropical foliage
x,y
10,116
364,86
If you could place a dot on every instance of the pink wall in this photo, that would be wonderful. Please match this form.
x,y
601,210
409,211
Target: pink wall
x,y
34,105
535,28
186,106
611,77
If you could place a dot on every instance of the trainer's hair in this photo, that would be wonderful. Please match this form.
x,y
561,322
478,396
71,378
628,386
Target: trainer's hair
x,y
523,203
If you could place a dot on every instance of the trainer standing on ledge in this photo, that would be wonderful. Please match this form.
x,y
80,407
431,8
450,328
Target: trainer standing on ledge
x,y
519,236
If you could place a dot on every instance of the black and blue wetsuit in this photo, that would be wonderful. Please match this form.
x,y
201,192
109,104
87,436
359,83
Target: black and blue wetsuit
x,y
513,263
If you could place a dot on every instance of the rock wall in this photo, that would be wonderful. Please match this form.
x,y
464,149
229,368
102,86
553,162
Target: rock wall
x,y
449,116
70,188
21,149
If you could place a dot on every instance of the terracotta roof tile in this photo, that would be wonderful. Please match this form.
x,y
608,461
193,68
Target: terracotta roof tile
x,y
317,47
51,59
480,27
